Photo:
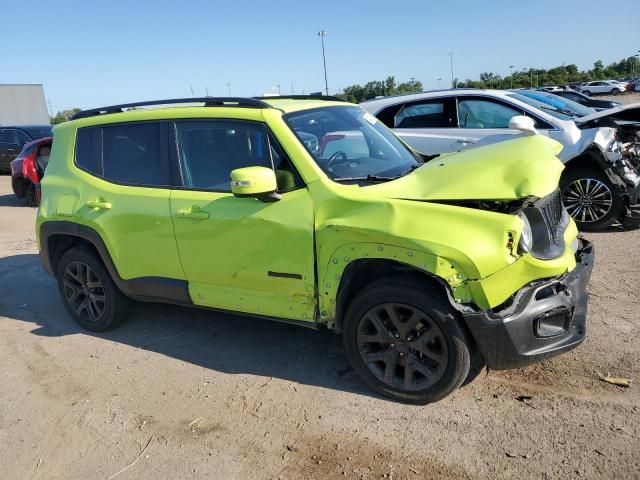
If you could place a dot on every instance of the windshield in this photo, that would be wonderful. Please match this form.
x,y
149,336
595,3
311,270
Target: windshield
x,y
545,107
39,132
561,103
351,144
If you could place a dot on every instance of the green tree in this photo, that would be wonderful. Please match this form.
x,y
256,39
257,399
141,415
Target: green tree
x,y
63,116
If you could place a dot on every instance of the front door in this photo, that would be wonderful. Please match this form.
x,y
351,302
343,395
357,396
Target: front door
x,y
242,254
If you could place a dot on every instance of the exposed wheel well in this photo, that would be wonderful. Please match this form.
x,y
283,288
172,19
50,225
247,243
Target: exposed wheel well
x,y
60,243
363,272
589,158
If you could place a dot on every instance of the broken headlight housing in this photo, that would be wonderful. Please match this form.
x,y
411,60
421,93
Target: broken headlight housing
x,y
526,237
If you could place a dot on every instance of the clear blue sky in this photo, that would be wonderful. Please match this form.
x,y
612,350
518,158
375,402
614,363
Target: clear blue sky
x,y
90,53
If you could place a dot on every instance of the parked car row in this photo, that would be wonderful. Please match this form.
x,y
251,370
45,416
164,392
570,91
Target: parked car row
x,y
601,178
309,210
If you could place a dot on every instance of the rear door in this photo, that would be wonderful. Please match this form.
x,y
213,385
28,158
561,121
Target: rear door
x,y
127,178
242,254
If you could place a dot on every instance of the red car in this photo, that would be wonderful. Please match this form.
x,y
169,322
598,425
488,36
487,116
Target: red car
x,y
28,169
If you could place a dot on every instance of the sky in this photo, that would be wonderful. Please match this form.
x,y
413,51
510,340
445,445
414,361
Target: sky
x,y
89,54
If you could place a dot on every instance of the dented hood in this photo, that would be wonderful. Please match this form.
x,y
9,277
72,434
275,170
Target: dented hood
x,y
629,113
510,170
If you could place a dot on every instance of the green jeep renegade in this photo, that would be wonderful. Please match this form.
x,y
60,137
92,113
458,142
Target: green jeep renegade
x,y
310,211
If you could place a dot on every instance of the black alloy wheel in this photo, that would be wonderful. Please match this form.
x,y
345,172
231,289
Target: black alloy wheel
x,y
84,291
402,346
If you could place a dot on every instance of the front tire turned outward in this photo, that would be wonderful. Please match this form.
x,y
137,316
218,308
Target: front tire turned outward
x,y
590,198
404,340
88,293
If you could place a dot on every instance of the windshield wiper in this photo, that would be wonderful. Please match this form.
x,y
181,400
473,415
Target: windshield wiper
x,y
368,178
411,169
561,110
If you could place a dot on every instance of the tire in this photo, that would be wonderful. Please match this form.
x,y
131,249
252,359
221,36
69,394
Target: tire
x,y
30,195
88,293
587,93
402,321
590,198
615,91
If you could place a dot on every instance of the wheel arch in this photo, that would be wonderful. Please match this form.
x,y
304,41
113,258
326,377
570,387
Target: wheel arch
x,y
364,271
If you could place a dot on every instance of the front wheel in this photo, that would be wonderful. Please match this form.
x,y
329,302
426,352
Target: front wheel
x,y
586,92
615,91
404,340
589,197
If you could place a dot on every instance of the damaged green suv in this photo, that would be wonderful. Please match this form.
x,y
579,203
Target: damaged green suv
x,y
310,211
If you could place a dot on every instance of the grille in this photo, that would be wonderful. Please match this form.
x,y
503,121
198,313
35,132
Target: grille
x,y
552,212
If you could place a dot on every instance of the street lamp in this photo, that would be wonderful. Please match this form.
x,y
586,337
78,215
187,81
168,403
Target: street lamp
x,y
511,75
229,88
451,62
439,80
322,34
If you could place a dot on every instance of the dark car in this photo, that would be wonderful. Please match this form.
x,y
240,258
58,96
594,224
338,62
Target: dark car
x,y
28,169
587,101
13,138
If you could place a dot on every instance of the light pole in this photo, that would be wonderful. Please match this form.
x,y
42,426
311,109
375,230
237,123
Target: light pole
x,y
322,34
511,75
451,63
439,80
229,88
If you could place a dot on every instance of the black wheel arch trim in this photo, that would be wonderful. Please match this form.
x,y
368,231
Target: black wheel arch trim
x,y
149,289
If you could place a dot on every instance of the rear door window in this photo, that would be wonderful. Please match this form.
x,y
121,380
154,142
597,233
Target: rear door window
x,y
428,114
136,154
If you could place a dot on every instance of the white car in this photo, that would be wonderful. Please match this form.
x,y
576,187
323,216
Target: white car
x,y
598,182
603,86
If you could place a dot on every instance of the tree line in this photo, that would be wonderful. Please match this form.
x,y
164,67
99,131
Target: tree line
x,y
523,78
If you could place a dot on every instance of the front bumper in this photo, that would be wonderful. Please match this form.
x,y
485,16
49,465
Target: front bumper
x,y
515,338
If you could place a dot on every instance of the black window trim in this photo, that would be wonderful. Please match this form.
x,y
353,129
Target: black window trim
x,y
176,154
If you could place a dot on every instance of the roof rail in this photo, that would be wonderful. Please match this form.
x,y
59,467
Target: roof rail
x,y
328,98
208,102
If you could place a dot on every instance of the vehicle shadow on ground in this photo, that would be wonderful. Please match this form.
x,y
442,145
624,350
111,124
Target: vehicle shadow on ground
x,y
12,201
217,341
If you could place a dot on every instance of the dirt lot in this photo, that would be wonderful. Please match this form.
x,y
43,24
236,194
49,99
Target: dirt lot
x,y
183,393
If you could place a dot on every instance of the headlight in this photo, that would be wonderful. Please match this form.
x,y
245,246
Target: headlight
x,y
526,237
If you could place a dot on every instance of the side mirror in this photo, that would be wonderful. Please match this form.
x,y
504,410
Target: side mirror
x,y
525,124
257,182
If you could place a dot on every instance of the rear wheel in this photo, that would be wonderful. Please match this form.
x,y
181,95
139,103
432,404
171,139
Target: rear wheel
x,y
30,195
587,93
589,197
615,91
404,340
88,292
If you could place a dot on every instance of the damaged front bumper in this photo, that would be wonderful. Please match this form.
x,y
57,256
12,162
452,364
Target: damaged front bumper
x,y
545,319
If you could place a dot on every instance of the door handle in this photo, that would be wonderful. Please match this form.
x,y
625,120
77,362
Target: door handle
x,y
194,213
98,204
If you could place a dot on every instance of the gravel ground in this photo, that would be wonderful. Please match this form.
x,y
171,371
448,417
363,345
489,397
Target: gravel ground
x,y
184,393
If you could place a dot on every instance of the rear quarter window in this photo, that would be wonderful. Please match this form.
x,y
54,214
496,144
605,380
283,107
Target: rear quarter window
x,y
88,156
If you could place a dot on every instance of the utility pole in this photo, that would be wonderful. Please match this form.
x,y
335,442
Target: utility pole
x,y
511,75
439,80
530,77
451,63
50,109
191,87
229,88
323,34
